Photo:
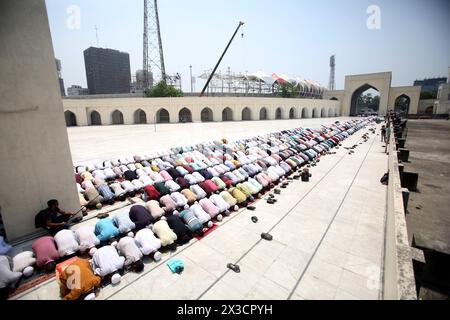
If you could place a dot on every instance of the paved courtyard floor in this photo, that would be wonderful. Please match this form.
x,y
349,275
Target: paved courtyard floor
x,y
328,234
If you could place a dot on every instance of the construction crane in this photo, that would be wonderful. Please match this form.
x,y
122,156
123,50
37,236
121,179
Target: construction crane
x,y
220,60
153,57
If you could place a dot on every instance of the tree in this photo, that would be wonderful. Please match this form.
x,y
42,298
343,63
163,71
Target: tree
x,y
288,90
368,102
162,89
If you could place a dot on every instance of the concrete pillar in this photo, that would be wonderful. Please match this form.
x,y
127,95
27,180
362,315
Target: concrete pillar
x,y
237,114
271,112
255,111
81,117
196,114
174,114
286,111
34,148
217,112
128,115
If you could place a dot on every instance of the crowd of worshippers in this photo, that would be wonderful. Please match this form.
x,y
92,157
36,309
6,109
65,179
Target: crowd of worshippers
x,y
185,192
205,168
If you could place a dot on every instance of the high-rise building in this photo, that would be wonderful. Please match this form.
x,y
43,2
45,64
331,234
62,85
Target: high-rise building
x,y
61,81
75,90
107,71
430,85
140,79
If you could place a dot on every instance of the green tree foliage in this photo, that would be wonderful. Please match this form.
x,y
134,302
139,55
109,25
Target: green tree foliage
x,y
368,102
288,90
162,89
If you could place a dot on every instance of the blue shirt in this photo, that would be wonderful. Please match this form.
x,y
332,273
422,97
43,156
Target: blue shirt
x,y
105,229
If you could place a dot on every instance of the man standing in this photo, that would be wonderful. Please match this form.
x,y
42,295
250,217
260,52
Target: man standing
x,y
387,137
383,133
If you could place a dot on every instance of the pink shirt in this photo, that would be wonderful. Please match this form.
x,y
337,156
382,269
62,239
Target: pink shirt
x,y
209,207
166,176
45,250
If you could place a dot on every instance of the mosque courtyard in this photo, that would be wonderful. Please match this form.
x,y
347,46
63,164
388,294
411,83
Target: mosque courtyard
x,y
328,234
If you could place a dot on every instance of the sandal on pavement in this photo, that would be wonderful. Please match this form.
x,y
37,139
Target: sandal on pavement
x,y
234,267
267,236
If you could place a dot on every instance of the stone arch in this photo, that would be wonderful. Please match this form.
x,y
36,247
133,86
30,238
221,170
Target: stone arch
x,y
206,115
263,114
96,119
71,118
331,112
117,117
402,103
305,113
227,114
162,116
278,114
356,94
246,114
323,113
185,115
315,113
140,117
429,110
334,99
293,113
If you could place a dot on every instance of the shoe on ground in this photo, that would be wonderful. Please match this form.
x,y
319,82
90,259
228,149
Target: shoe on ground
x,y
266,236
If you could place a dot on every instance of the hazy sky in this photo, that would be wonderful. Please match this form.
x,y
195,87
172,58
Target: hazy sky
x,y
294,37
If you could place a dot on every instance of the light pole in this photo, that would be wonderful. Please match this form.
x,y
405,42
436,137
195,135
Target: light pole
x,y
190,67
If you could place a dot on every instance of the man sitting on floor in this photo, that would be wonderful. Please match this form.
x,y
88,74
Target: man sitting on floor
x,y
56,219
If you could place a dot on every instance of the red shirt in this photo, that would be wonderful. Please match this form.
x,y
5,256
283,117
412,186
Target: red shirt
x,y
152,193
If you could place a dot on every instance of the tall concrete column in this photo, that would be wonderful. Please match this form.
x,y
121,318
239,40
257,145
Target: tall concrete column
x,y
35,159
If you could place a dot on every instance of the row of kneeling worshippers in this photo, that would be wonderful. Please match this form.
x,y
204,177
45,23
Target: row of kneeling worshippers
x,y
174,211
207,167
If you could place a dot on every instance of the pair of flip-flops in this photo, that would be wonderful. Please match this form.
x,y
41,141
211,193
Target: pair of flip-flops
x,y
251,208
277,191
102,215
